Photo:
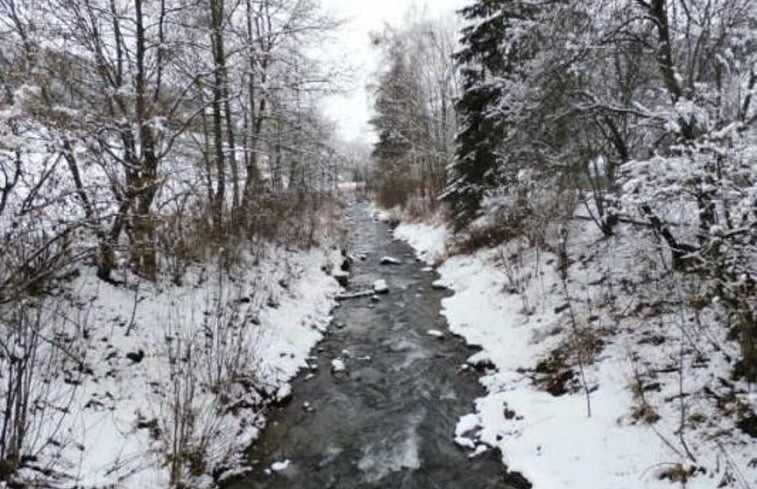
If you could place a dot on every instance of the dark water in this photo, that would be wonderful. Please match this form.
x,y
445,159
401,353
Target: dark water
x,y
388,421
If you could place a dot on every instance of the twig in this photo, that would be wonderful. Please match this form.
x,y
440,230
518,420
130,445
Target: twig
x,y
132,321
739,474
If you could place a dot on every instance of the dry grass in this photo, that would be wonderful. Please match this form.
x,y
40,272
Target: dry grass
x,y
297,220
487,237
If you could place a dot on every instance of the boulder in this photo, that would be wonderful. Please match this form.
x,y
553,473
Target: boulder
x,y
439,285
342,277
380,287
389,260
337,365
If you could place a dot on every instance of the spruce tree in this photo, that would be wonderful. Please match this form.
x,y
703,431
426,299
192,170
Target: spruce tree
x,y
497,45
396,101
482,61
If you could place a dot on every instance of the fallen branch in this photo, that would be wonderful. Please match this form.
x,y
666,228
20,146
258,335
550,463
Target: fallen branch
x,y
355,295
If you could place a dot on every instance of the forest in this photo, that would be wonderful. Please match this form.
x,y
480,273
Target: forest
x,y
180,227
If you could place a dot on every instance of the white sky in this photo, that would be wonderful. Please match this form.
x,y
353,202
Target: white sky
x,y
351,111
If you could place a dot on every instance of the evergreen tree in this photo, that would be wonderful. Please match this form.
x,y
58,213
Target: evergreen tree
x,y
395,100
483,61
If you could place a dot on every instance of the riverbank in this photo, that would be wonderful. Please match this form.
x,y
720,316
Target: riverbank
x,y
145,384
606,380
379,403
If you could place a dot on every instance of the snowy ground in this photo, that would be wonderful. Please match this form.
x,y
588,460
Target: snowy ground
x,y
641,391
170,382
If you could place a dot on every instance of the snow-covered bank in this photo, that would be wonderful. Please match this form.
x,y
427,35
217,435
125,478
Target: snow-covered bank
x,y
169,383
583,389
429,239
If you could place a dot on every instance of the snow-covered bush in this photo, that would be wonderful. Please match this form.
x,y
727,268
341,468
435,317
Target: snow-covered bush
x,y
43,360
641,109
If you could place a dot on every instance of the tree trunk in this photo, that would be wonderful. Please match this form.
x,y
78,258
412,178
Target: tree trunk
x,y
142,181
216,38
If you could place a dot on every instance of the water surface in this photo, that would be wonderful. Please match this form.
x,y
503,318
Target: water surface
x,y
388,420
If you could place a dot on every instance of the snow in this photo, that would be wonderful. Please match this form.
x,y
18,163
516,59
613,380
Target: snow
x,y
435,333
222,346
383,214
380,287
430,240
389,260
516,313
465,426
465,442
350,186
341,274
281,466
337,365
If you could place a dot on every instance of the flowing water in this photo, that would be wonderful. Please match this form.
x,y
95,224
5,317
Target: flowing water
x,y
388,420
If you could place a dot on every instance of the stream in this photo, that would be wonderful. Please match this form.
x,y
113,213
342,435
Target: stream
x,y
388,419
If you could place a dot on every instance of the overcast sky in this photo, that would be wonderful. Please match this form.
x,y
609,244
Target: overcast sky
x,y
352,44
